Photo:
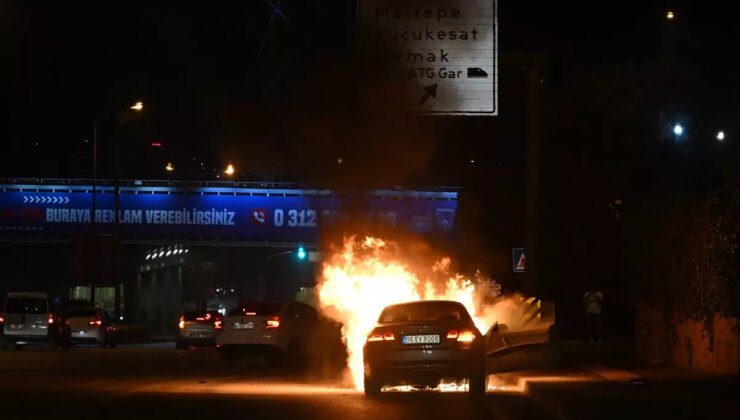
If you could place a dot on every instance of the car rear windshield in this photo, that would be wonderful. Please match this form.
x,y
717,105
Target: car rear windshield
x,y
72,313
424,311
25,305
203,315
258,309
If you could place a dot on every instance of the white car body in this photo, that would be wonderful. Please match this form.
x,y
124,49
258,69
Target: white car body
x,y
286,327
88,325
28,319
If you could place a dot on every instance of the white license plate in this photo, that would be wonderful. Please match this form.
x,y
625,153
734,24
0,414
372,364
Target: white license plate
x,y
243,326
16,326
200,335
421,339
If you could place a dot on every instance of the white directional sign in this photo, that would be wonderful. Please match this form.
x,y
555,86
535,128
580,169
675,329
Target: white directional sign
x,y
433,56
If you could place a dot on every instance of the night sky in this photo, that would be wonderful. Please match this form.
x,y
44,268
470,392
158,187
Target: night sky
x,y
228,83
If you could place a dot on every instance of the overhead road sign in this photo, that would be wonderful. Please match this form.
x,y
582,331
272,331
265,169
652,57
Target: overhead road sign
x,y
441,54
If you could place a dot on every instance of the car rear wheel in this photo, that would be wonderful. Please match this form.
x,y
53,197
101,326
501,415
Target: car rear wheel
x,y
478,384
372,386
11,345
51,342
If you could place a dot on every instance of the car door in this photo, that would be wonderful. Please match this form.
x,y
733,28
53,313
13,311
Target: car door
x,y
523,345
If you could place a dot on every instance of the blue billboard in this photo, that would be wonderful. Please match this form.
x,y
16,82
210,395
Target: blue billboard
x,y
210,213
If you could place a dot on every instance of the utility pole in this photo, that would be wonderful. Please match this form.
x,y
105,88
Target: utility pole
x,y
531,281
94,207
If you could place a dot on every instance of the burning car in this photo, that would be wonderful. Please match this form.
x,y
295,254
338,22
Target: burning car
x,y
422,343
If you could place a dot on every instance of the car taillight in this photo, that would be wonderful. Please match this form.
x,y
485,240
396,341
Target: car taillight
x,y
51,319
463,336
208,316
218,324
272,322
381,336
96,322
2,319
182,323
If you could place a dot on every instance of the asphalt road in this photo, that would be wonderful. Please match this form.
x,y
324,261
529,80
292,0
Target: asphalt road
x,y
156,381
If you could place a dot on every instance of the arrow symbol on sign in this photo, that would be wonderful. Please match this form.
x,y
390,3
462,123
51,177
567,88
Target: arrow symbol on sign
x,y
66,200
25,199
430,90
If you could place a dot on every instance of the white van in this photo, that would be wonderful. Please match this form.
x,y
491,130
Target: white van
x,y
28,318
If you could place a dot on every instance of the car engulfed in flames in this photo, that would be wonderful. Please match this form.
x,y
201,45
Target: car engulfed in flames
x,y
367,274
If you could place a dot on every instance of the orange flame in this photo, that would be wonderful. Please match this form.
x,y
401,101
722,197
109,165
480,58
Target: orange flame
x,y
366,275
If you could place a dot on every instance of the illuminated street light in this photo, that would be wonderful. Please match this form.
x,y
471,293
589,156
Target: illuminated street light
x,y
720,136
170,167
138,106
229,170
670,15
678,130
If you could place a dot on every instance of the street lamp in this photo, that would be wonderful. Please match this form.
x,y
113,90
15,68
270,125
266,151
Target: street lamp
x,y
229,170
138,106
678,130
720,136
670,15
170,167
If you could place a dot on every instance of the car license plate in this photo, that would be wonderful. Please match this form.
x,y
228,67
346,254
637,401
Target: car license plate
x,y
243,325
421,339
200,336
15,326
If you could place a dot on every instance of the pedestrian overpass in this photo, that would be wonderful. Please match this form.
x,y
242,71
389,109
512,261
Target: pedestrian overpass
x,y
216,213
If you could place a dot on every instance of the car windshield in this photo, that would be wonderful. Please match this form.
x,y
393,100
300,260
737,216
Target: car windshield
x,y
25,305
424,311
82,312
258,309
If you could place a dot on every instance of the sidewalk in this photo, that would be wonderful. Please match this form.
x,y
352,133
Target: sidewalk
x,y
606,393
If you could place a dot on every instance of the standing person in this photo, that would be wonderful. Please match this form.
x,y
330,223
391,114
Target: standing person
x,y
592,301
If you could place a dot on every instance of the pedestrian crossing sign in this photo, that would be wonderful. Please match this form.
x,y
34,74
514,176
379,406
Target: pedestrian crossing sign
x,y
518,259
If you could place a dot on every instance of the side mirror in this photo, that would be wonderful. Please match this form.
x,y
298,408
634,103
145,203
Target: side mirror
x,y
499,328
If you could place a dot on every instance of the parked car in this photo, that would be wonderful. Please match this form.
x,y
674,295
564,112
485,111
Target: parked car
x,y
89,325
28,318
280,330
421,343
197,328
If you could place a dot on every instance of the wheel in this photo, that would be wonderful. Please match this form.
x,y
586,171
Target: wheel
x,y
294,353
477,384
51,342
372,387
11,345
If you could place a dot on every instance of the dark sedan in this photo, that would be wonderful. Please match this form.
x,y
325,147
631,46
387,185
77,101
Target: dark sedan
x,y
422,343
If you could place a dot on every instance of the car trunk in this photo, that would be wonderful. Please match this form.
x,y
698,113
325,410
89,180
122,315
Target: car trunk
x,y
26,324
